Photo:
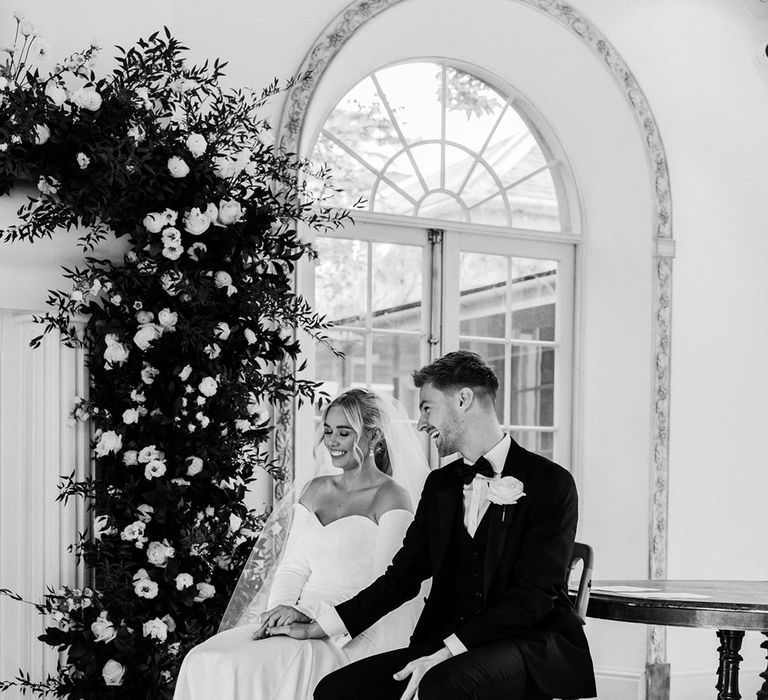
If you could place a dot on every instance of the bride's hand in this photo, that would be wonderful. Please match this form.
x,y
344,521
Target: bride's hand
x,y
280,615
298,630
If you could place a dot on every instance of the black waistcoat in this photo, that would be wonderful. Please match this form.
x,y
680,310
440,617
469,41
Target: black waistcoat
x,y
466,562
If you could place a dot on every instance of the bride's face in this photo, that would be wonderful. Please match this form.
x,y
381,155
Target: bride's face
x,y
339,439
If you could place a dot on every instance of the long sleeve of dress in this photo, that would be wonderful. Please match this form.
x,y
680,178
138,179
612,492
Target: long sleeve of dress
x,y
293,569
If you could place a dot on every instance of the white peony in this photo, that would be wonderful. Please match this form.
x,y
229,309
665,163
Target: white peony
x,y
204,591
196,144
194,466
196,222
173,252
230,212
103,630
147,334
177,167
183,581
156,629
158,553
113,672
55,93
87,98
208,386
108,442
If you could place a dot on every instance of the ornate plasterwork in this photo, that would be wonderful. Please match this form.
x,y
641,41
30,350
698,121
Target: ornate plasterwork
x,y
325,49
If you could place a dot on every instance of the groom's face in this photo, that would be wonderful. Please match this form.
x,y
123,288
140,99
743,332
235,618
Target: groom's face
x,y
440,417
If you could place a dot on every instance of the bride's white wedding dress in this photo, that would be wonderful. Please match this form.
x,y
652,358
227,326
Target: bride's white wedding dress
x,y
330,563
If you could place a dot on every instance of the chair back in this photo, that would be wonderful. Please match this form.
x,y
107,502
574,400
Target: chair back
x,y
582,553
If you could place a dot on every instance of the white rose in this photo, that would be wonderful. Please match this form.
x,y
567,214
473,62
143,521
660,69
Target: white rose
x,y
158,553
196,144
145,512
154,468
177,167
130,415
250,336
184,374
87,98
156,629
108,442
154,222
196,222
224,167
204,591
208,386
222,330
194,466
230,212
183,581
173,252
55,93
145,317
113,672
130,457
147,334
103,630
42,134
116,353
167,319
145,588
196,248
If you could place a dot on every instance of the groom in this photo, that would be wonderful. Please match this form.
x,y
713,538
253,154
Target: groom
x,y
495,531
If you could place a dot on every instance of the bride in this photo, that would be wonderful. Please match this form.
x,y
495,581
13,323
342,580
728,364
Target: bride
x,y
346,526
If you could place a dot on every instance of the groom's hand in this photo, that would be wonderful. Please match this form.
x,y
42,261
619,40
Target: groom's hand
x,y
298,630
278,616
417,668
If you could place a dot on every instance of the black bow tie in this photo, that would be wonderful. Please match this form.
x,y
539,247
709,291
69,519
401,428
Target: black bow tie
x,y
467,472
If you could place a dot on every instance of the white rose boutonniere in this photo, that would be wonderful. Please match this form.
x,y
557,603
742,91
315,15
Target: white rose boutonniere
x,y
505,491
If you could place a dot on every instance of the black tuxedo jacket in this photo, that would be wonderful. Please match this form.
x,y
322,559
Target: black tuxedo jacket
x,y
526,565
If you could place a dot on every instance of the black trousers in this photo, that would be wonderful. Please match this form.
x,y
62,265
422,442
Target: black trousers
x,y
491,672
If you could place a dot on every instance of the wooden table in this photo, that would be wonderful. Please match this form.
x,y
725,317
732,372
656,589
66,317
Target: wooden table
x,y
729,607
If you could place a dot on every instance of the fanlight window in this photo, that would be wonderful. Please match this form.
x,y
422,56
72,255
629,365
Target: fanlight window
x,y
430,140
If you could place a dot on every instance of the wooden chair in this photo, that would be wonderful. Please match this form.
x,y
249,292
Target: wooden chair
x,y
582,553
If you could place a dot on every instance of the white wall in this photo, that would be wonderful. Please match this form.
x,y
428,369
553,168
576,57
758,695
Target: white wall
x,y
694,61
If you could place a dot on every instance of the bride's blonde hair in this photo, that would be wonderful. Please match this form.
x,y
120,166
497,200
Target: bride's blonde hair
x,y
361,409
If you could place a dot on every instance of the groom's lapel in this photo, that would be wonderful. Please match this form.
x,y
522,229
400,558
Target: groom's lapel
x,y
502,518
449,497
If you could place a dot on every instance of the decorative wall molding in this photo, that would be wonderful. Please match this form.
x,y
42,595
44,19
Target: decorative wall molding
x,y
37,445
357,14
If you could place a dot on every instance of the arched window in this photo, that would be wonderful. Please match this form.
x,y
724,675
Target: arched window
x,y
463,241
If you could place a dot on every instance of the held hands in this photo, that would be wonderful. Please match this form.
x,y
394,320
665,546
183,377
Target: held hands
x,y
277,617
417,668
298,630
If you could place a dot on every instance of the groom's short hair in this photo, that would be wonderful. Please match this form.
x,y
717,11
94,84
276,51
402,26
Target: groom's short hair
x,y
459,369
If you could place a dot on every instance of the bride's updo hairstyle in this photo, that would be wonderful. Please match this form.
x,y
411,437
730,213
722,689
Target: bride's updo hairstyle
x,y
361,409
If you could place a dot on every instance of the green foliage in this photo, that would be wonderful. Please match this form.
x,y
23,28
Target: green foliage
x,y
183,336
